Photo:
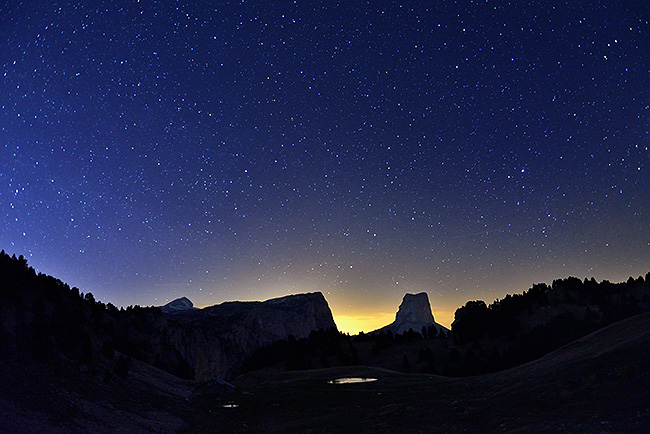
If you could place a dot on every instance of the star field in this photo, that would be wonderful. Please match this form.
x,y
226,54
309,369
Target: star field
x,y
246,150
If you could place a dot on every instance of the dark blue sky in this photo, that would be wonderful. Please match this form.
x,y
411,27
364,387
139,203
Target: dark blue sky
x,y
246,150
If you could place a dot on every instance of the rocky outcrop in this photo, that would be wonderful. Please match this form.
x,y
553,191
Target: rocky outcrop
x,y
216,340
414,313
179,304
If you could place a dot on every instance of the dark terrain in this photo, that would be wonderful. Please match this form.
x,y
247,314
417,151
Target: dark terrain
x,y
573,357
598,384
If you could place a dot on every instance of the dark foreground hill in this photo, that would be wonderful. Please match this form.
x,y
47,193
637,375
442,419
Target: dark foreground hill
x,y
63,397
598,384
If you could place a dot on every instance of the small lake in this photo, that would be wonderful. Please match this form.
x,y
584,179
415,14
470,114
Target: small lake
x,y
352,380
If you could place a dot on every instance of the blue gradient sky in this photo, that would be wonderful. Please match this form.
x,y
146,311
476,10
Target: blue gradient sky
x,y
246,150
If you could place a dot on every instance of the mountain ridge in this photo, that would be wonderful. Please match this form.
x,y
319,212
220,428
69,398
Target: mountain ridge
x,y
219,338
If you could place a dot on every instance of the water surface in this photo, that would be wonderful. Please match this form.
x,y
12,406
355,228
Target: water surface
x,y
351,380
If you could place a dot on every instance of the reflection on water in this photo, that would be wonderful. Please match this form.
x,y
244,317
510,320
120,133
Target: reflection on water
x,y
350,380
230,405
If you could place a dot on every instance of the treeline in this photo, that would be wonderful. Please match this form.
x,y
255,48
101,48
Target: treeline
x,y
45,319
484,338
328,348
321,349
523,327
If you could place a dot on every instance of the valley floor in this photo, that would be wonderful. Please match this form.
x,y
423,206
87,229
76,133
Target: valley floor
x,y
598,384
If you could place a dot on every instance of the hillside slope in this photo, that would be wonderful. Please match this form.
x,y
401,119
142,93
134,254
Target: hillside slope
x,y
600,383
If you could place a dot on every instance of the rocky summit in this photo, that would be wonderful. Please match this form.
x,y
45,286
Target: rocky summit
x,y
414,313
179,304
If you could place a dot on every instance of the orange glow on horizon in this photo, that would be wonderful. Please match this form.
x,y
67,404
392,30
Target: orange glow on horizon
x,y
353,324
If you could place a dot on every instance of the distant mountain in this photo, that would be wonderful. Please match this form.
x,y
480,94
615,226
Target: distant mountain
x,y
219,338
179,304
413,314
43,318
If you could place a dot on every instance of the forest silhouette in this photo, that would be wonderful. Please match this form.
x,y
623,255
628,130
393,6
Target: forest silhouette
x,y
45,319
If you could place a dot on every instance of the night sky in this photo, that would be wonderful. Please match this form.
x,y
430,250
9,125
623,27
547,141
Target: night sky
x,y
249,150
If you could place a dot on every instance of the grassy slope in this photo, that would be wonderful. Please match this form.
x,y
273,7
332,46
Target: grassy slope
x,y
40,398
